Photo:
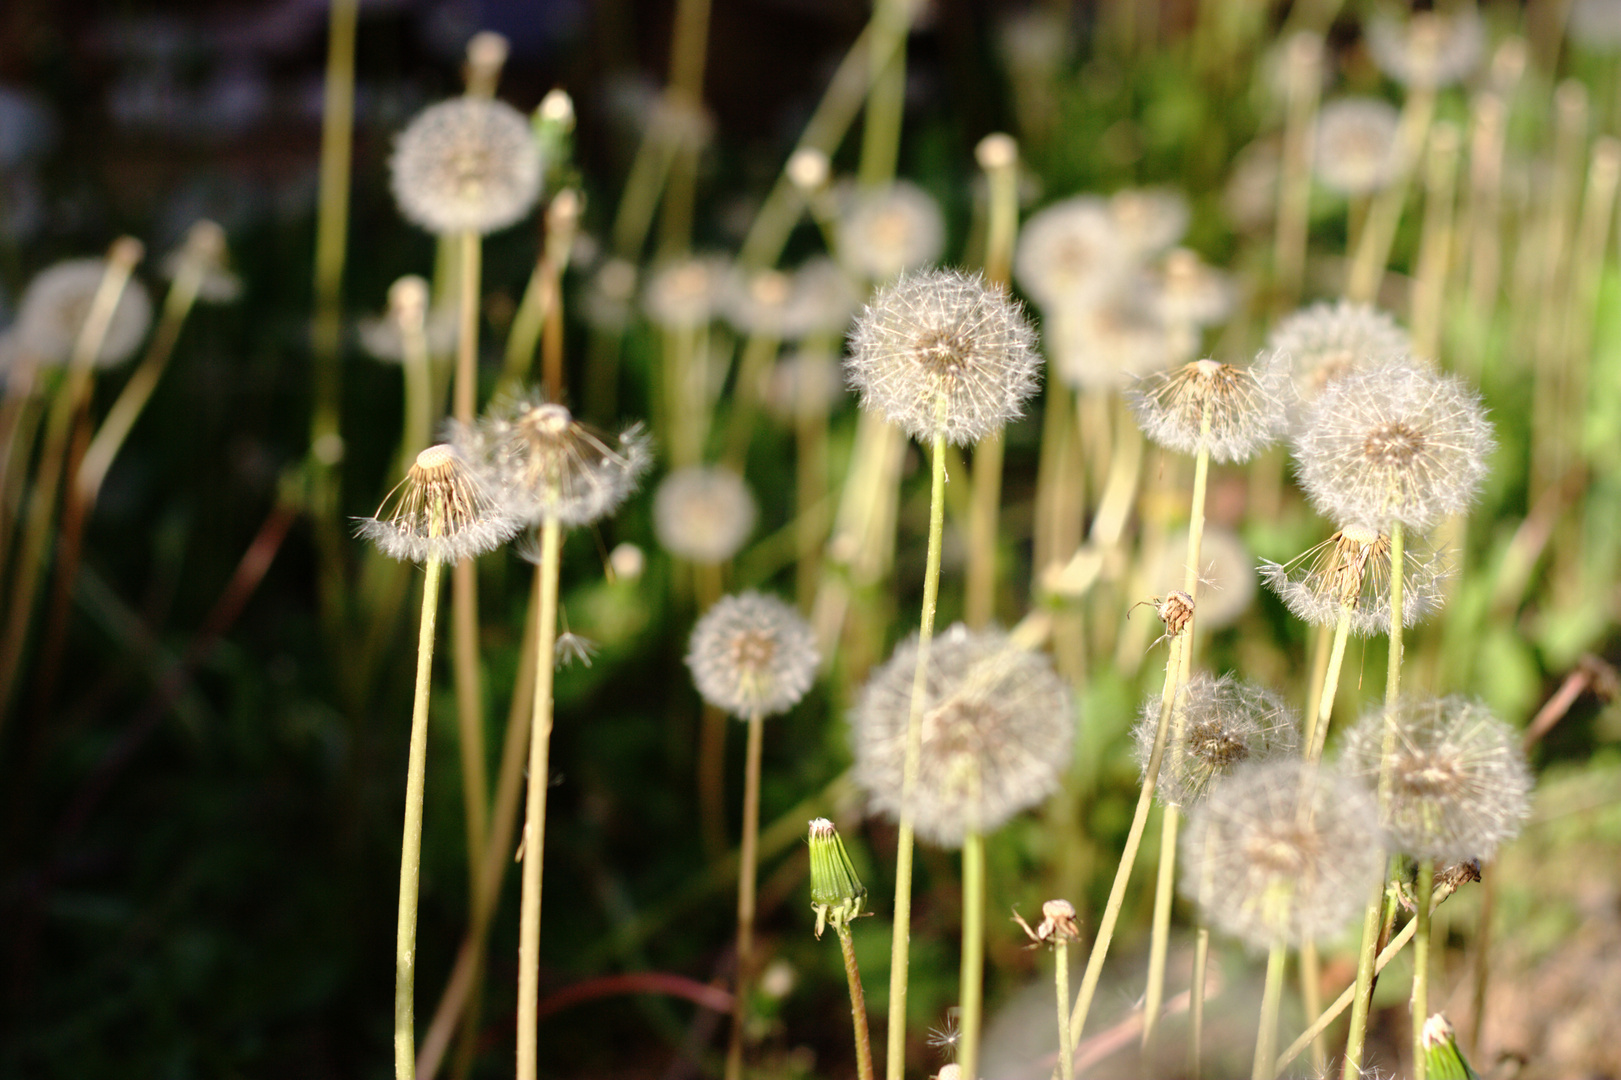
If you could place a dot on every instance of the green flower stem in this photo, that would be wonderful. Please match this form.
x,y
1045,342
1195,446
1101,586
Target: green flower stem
x,y
1393,671
747,864
886,100
900,939
411,843
1421,971
1128,857
1201,961
810,482
753,368
971,991
1266,1038
858,1003
534,842
1066,1060
1317,726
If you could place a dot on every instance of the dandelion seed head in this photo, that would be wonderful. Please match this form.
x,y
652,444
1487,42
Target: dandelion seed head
x,y
939,352
1192,293
824,299
204,248
52,311
703,513
1454,781
1069,252
1281,851
608,300
1104,346
1330,339
1433,48
443,510
1250,198
1356,152
886,231
466,165
1247,407
384,336
758,302
806,381
1148,221
996,733
752,655
1350,573
1217,724
687,293
1594,25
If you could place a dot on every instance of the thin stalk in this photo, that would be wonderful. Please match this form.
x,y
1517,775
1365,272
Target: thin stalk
x,y
411,843
534,836
748,857
1170,819
1066,1060
1320,638
900,939
971,989
1317,730
1421,971
1266,1038
810,479
1201,961
1435,243
541,301
858,1003
1379,231
689,52
419,397
1311,998
886,100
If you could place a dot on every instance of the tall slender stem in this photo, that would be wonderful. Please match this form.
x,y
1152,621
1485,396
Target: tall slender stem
x,y
1201,961
1311,997
1266,1037
1317,729
900,939
534,842
1379,230
858,1003
1421,969
411,843
1163,887
886,101
746,871
971,990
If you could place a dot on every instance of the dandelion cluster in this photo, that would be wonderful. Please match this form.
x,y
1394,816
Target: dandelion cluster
x,y
1356,152
886,231
1217,725
466,165
752,655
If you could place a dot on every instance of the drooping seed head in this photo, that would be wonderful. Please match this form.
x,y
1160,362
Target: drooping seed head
x,y
1330,339
703,513
997,728
1432,49
1395,442
1350,573
1452,779
1282,851
466,165
752,655
1356,151
52,313
443,511
1216,726
939,352
887,231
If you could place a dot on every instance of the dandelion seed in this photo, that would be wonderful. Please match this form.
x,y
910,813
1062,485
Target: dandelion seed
x,y
941,353
443,511
1454,783
947,1036
1350,571
1433,49
703,514
466,165
1069,252
1356,151
887,231
1331,339
752,655
572,648
1395,442
997,728
1246,407
1282,851
1217,725
54,307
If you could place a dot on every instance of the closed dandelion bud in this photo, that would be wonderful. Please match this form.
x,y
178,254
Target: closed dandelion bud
x,y
940,353
1452,780
1217,725
1148,221
54,307
889,230
1174,611
837,894
442,511
1330,339
1433,49
1246,407
549,466
752,655
1282,851
703,514
1069,252
1356,151
553,126
466,165
1442,1058
1396,442
1350,573
997,729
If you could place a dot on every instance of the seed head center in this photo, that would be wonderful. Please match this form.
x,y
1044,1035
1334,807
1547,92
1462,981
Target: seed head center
x,y
1394,445
753,650
945,352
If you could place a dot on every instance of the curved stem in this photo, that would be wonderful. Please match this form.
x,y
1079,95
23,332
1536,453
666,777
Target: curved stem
x,y
971,991
747,862
1317,732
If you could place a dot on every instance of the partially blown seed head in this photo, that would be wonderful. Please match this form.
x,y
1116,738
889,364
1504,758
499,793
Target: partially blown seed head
x,y
443,510
1247,406
54,307
1328,340
1216,726
1349,573
752,655
1452,779
466,165
1282,851
997,729
941,353
1396,442
1356,151
703,513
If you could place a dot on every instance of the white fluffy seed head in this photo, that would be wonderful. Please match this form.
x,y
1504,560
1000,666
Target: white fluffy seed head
x,y
1192,293
703,513
1330,339
1105,345
939,352
53,309
1148,221
1349,573
687,293
886,231
466,165
1247,407
1356,152
996,735
752,655
1395,442
1452,780
1282,851
443,510
1068,253
1216,726
1433,48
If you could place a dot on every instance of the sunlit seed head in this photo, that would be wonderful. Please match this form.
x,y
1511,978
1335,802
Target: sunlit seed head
x,y
808,169
1191,292
547,466
1330,339
1104,346
443,510
1245,407
1432,48
1452,778
1356,152
1226,573
1068,253
997,728
1216,726
626,562
752,655
52,313
939,352
1148,221
688,293
384,336
1349,573
1282,851
703,513
466,165
1394,442
886,231
824,300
